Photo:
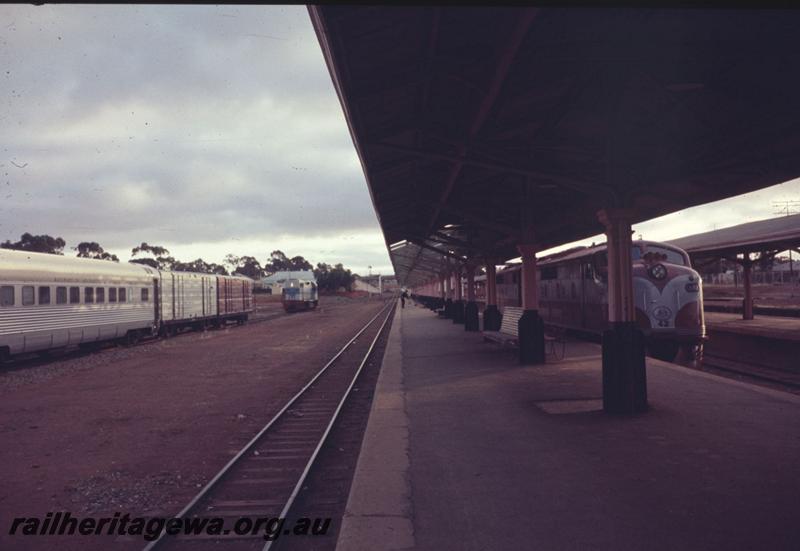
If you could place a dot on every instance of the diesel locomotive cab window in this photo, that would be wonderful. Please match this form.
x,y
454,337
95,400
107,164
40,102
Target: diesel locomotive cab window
x,y
100,295
88,295
145,295
61,295
673,257
44,295
7,295
28,297
74,295
112,294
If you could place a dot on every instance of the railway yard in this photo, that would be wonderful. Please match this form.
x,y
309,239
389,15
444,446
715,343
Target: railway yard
x,y
142,429
583,331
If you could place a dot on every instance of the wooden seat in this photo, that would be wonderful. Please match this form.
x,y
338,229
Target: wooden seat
x,y
509,328
554,337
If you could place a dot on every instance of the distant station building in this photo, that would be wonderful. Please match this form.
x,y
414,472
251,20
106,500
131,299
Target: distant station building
x,y
366,285
273,284
376,283
780,271
764,247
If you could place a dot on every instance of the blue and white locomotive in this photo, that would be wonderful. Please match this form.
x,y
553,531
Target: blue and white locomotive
x,y
299,291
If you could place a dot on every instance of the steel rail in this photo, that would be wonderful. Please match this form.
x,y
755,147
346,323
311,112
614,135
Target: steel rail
x,y
743,371
332,421
247,447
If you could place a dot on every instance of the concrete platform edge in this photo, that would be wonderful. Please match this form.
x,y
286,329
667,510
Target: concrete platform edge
x,y
772,393
379,510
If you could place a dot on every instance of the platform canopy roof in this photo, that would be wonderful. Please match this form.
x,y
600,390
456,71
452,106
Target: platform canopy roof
x,y
485,121
774,234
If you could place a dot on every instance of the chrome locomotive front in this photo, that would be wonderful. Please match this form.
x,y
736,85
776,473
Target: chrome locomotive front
x,y
669,309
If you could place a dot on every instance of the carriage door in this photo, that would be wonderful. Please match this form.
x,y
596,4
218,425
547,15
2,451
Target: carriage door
x,y
156,301
585,274
203,294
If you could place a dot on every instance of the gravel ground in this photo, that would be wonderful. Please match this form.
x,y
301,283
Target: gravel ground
x,y
139,430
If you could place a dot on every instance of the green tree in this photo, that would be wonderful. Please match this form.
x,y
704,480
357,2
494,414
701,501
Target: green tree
x,y
333,278
36,244
277,262
91,249
199,265
299,263
250,267
232,261
159,260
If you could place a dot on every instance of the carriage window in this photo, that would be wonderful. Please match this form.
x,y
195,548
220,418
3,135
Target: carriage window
x,y
600,262
27,295
7,295
112,294
550,273
74,295
44,295
145,295
122,297
88,295
100,294
61,295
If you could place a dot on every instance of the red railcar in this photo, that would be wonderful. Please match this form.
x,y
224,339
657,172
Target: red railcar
x,y
234,298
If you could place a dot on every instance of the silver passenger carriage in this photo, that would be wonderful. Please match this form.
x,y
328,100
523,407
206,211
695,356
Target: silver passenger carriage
x,y
49,301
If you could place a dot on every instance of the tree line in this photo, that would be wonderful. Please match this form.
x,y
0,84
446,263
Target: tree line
x,y
329,277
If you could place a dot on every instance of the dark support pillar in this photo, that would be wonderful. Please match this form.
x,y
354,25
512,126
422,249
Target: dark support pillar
x,y
448,299
492,319
624,373
531,338
471,320
530,326
458,311
491,315
458,303
442,302
624,370
747,305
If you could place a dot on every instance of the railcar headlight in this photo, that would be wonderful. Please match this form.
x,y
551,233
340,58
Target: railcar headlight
x,y
692,288
662,313
659,271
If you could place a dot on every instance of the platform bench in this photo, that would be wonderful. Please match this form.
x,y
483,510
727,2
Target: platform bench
x,y
554,337
509,328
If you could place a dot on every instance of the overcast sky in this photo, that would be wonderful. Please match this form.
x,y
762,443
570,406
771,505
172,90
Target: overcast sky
x,y
208,130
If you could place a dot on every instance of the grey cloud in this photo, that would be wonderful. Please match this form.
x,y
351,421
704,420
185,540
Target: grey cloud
x,y
175,123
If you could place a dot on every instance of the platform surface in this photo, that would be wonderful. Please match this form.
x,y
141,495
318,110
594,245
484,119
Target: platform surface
x,y
775,327
467,450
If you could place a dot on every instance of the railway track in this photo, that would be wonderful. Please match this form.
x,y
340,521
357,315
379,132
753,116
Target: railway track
x,y
785,380
35,359
264,477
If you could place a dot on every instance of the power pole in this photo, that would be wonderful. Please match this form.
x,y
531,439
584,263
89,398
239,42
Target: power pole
x,y
788,207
